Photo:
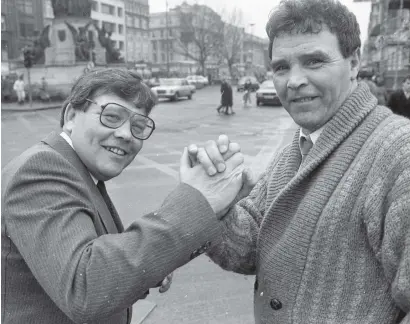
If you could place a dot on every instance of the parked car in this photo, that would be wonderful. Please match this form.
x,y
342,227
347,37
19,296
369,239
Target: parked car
x,y
254,83
197,80
173,89
267,94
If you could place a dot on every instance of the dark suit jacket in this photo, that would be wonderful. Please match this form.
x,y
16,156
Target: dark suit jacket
x,y
63,259
399,104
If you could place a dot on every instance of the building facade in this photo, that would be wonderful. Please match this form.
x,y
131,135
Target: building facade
x,y
22,21
168,54
171,54
137,21
387,49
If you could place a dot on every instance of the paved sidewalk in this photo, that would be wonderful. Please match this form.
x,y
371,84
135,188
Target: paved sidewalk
x,y
14,106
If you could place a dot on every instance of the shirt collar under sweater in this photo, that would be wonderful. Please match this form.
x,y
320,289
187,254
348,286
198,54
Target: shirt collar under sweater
x,y
352,112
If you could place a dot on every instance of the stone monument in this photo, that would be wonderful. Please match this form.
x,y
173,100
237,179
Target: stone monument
x,y
73,36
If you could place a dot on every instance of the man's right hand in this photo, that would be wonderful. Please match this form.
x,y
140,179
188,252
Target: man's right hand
x,y
221,189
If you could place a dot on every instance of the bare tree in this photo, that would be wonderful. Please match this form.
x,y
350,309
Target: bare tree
x,y
233,38
201,35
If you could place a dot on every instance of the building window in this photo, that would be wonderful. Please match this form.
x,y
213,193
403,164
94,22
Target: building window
x,y
163,57
109,27
162,33
121,44
107,9
96,22
25,6
26,30
119,11
120,29
171,56
153,35
154,45
129,20
170,32
94,5
140,23
154,57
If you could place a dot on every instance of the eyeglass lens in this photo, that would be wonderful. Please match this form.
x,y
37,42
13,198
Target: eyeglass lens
x,y
115,116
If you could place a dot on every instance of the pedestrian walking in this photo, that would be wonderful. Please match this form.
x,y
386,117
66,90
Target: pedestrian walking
x,y
226,98
326,230
66,257
399,101
247,95
18,87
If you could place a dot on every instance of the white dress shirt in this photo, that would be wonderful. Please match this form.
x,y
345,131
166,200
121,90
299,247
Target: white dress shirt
x,y
69,141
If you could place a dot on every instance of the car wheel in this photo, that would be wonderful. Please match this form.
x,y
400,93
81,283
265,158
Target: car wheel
x,y
190,96
175,97
258,103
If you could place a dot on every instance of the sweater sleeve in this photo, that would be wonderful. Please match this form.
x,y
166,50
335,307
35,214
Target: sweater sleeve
x,y
387,217
237,249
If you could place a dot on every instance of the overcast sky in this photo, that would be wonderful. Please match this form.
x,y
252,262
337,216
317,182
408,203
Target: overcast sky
x,y
257,11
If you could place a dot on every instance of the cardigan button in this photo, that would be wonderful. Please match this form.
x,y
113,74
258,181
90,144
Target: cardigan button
x,y
275,304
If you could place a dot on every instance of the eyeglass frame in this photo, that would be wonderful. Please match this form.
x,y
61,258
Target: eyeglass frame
x,y
133,114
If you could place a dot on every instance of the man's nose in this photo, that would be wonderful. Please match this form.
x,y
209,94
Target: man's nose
x,y
124,131
297,78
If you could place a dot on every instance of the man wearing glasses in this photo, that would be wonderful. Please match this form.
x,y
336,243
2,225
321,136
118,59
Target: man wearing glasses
x,y
66,257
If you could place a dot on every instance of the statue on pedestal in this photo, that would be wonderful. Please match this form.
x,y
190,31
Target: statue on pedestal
x,y
73,37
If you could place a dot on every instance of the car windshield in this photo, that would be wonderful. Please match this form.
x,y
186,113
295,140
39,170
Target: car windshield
x,y
169,82
268,84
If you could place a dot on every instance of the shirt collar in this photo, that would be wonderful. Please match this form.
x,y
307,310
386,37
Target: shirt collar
x,y
313,136
69,141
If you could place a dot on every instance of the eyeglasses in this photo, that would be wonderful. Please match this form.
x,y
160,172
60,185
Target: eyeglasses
x,y
114,116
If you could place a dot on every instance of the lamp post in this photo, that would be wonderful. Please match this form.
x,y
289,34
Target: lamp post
x,y
166,38
252,24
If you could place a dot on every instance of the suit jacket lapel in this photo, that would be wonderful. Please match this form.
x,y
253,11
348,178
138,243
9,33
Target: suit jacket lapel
x,y
60,145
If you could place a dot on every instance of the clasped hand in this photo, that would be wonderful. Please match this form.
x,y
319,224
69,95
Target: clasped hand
x,y
218,172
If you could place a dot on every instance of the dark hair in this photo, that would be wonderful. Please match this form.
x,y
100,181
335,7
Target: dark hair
x,y
122,83
310,16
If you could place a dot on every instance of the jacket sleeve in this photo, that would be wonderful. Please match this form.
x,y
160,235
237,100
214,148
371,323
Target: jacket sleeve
x,y
236,251
387,218
48,215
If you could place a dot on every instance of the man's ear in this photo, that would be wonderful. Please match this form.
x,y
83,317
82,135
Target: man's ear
x,y
69,118
355,62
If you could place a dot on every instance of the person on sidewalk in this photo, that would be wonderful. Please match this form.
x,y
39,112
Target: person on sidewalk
x,y
44,95
18,87
399,101
326,230
66,257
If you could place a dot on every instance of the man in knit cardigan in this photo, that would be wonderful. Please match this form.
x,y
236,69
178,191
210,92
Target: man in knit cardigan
x,y
327,238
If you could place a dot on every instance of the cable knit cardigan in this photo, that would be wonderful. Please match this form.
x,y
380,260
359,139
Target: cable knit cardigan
x,y
330,243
